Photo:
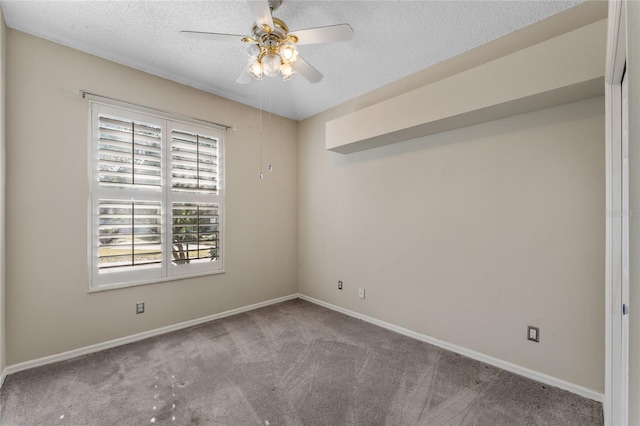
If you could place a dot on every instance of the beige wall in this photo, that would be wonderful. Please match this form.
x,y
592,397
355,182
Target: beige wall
x,y
468,236
50,310
515,83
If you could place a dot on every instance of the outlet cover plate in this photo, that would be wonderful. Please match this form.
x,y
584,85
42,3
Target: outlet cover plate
x,y
140,308
533,334
339,285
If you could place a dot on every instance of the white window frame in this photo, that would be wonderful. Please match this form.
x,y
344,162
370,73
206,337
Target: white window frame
x,y
166,270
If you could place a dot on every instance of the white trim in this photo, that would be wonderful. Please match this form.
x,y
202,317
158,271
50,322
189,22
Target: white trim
x,y
3,376
616,43
626,237
164,195
107,287
137,337
513,368
615,404
522,371
613,260
155,111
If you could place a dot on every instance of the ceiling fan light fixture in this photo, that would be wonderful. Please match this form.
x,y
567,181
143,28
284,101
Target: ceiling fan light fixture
x,y
255,70
253,50
287,71
272,49
288,53
271,64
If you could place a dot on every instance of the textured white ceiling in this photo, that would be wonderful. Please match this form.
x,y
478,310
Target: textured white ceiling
x,y
392,40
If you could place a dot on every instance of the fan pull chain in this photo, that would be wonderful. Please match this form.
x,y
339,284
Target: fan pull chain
x,y
260,174
270,167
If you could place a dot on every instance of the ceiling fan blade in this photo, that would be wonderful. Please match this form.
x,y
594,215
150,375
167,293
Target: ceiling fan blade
x,y
212,36
245,77
305,69
332,33
261,12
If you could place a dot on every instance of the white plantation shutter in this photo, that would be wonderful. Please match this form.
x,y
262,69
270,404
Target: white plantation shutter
x,y
195,231
130,152
129,233
194,162
196,213
156,208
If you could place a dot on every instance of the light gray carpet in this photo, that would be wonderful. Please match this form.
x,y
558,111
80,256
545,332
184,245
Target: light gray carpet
x,y
294,363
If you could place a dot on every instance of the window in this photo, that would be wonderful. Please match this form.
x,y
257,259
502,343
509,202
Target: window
x,y
156,198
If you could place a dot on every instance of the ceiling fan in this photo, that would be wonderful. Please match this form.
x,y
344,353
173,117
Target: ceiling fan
x,y
272,48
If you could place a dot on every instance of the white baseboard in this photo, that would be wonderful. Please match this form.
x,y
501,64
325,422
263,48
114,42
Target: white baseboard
x,y
135,337
517,369
522,371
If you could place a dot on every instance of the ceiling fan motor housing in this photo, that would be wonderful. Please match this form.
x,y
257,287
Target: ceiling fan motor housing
x,y
269,36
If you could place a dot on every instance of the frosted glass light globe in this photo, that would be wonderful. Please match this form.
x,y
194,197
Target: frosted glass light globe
x,y
253,50
255,70
287,71
271,64
288,53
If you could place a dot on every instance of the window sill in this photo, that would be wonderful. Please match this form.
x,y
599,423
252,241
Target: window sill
x,y
106,287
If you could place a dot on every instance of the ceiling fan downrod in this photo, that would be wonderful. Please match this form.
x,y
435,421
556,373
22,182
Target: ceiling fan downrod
x,y
275,4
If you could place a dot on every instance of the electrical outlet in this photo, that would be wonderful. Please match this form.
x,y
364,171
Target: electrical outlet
x,y
140,308
361,293
533,334
339,285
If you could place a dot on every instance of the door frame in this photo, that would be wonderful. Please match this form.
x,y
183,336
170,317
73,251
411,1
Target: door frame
x,y
616,396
